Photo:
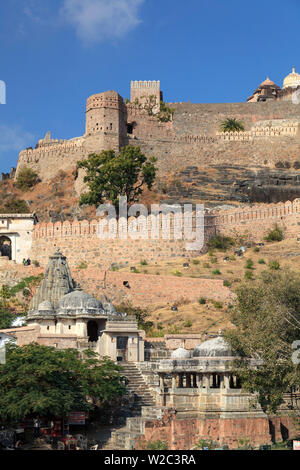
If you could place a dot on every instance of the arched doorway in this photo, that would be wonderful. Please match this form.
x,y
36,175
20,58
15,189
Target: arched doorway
x,y
92,331
5,246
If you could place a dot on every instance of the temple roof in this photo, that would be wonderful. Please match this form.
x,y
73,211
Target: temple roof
x,y
56,283
180,353
292,80
216,347
80,301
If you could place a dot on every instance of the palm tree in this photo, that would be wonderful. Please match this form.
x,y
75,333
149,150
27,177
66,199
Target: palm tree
x,y
232,125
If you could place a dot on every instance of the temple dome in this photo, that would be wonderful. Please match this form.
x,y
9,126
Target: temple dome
x,y
46,306
292,80
267,82
180,353
216,347
80,301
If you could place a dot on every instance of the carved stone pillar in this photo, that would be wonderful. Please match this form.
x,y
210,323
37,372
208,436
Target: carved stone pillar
x,y
174,381
226,382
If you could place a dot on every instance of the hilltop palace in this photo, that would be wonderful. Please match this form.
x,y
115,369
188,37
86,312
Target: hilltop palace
x,y
189,137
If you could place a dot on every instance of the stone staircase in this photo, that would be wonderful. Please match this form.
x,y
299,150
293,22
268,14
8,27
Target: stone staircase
x,y
143,408
137,385
126,437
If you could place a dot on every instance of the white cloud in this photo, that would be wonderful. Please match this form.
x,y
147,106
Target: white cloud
x,y
97,20
14,138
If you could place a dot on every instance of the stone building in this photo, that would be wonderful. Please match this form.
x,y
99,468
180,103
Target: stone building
x,y
267,90
188,138
199,397
64,316
16,236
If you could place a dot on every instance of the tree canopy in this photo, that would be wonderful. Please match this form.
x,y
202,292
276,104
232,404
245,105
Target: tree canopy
x,y
12,306
47,382
27,179
110,175
267,321
232,125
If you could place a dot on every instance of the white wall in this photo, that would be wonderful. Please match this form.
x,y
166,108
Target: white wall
x,y
18,228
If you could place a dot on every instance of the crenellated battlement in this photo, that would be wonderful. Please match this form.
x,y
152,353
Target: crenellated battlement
x,y
282,128
155,84
253,222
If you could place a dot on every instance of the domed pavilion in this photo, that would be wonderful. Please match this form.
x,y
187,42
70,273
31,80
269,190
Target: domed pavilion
x,y
267,90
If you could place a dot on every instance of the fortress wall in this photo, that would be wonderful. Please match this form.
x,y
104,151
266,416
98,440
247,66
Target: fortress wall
x,y
256,221
80,243
205,118
48,160
191,139
206,151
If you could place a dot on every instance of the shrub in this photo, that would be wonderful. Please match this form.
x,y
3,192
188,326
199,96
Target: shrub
x,y
204,444
135,271
202,301
220,243
261,261
196,261
214,260
227,283
114,267
27,178
157,445
275,235
82,265
248,275
249,264
274,265
15,206
218,304
206,265
216,271
256,249
36,263
139,313
188,324
144,262
176,272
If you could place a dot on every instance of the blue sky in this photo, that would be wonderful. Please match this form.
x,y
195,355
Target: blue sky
x,y
55,53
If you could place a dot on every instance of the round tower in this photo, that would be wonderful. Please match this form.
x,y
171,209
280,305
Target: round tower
x,y
106,121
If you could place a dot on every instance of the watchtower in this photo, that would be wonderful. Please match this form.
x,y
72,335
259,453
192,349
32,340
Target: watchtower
x,y
141,90
106,121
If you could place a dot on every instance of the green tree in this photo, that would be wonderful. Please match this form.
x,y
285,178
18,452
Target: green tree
x,y
267,322
141,315
26,179
12,306
44,381
232,125
110,175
